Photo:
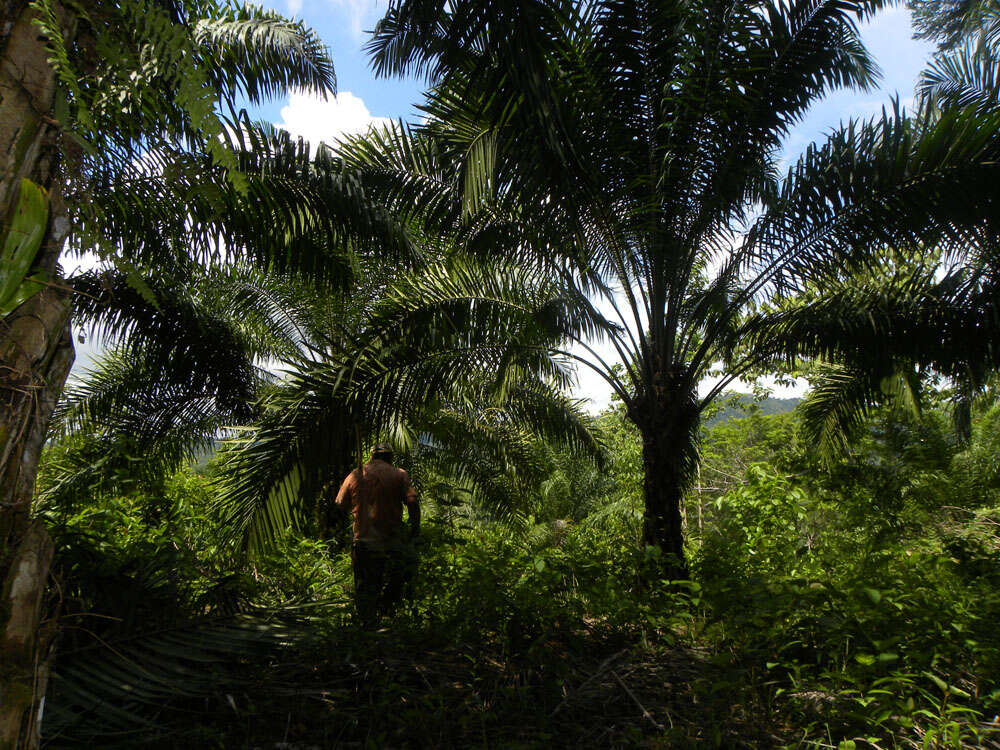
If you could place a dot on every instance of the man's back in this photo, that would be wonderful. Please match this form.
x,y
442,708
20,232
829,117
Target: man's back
x,y
375,495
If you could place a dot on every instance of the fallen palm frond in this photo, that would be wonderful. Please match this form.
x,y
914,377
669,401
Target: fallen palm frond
x,y
148,686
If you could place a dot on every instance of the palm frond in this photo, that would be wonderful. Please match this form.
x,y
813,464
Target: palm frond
x,y
259,54
949,22
842,398
966,77
271,472
144,686
177,336
127,423
295,212
885,183
498,452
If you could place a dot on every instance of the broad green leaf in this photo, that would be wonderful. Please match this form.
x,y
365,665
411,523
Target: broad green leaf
x,y
28,288
21,244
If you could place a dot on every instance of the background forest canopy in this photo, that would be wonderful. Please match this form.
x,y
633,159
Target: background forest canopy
x,y
590,185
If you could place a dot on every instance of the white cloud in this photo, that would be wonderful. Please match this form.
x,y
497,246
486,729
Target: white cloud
x,y
293,6
362,13
329,120
798,388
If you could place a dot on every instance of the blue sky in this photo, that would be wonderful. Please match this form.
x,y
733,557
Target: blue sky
x,y
342,24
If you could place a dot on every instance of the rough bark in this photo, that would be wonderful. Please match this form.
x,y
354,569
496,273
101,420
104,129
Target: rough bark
x,y
24,643
668,422
36,353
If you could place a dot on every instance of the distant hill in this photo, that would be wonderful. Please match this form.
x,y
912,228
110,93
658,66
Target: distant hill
x,y
745,404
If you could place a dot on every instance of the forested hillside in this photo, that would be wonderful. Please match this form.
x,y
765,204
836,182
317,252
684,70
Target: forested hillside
x,y
740,405
327,481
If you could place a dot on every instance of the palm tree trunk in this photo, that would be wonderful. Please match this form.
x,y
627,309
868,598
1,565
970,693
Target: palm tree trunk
x,y
668,423
36,353
663,487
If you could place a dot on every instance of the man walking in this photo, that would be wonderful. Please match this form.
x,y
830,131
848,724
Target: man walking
x,y
375,494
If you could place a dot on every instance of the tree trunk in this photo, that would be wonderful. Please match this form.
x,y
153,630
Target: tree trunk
x,y
668,422
36,353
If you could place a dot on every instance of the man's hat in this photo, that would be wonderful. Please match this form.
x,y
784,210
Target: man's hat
x,y
382,449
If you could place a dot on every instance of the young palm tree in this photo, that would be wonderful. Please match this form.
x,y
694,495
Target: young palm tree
x,y
630,151
189,370
355,379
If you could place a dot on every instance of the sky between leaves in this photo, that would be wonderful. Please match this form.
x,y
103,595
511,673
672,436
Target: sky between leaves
x,y
363,100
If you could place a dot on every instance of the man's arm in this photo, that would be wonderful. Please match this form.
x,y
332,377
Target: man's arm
x,y
412,505
345,499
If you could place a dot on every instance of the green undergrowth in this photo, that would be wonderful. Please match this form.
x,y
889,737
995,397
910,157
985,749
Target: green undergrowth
x,y
846,608
508,643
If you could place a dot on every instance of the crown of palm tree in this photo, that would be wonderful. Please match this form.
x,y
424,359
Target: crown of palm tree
x,y
630,151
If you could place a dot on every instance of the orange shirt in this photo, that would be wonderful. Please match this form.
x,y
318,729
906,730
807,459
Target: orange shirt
x,y
375,495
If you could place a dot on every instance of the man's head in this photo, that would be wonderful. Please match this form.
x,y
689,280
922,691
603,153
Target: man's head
x,y
382,452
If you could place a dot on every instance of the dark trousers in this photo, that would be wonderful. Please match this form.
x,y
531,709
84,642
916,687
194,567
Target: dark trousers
x,y
379,579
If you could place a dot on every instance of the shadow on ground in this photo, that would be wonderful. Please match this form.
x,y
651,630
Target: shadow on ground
x,y
387,690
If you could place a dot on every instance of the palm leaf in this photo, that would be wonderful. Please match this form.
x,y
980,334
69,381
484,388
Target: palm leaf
x,y
260,54
147,686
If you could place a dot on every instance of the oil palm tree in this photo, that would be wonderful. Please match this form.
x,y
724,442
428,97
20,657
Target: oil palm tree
x,y
631,151
473,413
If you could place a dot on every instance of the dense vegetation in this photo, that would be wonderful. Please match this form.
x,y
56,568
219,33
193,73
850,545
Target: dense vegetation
x,y
689,567
828,605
